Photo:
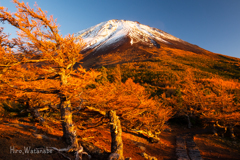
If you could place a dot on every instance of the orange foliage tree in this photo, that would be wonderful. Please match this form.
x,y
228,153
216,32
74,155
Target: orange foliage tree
x,y
41,61
214,100
131,101
221,106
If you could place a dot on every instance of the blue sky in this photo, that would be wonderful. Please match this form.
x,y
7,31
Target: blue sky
x,y
211,24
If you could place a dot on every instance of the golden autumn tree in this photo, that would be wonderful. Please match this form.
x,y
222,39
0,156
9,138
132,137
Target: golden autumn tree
x,y
40,60
137,111
214,100
221,106
7,61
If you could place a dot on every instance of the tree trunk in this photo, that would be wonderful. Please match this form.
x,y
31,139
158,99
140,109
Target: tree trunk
x,y
37,116
189,121
35,113
116,134
69,133
214,129
231,131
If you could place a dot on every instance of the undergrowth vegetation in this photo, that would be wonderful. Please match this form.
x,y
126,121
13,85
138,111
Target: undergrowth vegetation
x,y
191,86
147,94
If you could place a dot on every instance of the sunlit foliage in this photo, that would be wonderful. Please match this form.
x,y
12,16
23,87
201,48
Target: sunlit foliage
x,y
131,101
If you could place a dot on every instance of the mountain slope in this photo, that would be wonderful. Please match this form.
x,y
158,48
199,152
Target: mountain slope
x,y
121,35
119,41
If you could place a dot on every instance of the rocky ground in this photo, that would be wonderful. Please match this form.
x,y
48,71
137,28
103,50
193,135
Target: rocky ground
x,y
176,142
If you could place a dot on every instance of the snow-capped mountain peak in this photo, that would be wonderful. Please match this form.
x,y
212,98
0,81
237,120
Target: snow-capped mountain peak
x,y
114,32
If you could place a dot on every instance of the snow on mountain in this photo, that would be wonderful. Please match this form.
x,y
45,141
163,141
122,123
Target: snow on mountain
x,y
114,31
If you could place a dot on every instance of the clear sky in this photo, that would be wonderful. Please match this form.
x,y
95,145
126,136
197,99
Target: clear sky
x,y
211,24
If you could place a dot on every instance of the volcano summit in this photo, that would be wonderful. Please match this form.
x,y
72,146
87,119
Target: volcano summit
x,y
121,35
114,31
